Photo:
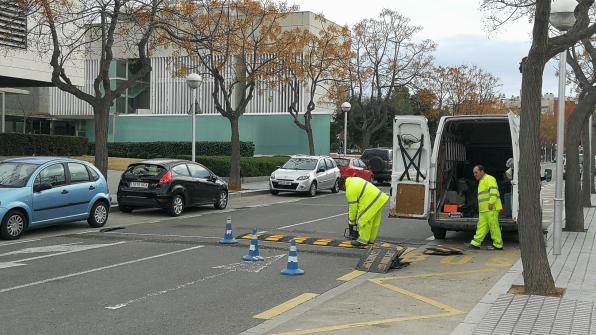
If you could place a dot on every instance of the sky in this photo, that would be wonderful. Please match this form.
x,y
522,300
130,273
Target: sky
x,y
458,28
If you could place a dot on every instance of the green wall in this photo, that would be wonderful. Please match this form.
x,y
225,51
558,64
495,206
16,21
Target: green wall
x,y
272,134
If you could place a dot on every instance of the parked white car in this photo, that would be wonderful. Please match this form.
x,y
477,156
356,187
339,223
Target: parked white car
x,y
306,174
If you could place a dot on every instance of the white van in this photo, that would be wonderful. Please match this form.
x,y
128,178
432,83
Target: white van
x,y
438,185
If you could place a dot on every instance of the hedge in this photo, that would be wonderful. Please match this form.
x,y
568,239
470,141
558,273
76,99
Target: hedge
x,y
173,149
15,144
249,166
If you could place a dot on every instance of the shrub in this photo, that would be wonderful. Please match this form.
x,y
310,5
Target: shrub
x,y
173,149
14,144
249,166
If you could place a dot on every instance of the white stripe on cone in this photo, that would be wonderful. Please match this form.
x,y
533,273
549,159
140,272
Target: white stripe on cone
x,y
292,259
252,247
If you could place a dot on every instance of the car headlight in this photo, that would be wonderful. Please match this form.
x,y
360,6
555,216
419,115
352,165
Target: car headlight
x,y
273,176
303,177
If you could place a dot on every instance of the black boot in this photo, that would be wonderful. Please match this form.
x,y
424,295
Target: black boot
x,y
353,235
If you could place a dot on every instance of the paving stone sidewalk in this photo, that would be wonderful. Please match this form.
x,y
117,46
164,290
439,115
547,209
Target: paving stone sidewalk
x,y
575,313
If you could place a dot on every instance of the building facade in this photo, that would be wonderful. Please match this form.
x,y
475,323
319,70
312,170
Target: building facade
x,y
157,107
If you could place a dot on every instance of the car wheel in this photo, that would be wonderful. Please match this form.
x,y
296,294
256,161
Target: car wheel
x,y
439,233
176,205
13,225
335,188
274,192
98,215
222,200
312,191
125,209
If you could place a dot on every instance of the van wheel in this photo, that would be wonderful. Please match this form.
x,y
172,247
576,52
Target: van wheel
x,y
439,233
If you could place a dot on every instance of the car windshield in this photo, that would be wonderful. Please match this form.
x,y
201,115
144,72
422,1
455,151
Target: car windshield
x,y
342,162
144,170
300,164
14,175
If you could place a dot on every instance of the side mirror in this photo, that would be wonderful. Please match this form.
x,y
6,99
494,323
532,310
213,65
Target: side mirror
x,y
548,175
42,187
320,170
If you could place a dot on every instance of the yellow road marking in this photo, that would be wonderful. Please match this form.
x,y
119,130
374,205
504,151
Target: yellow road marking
x,y
447,310
300,239
352,275
346,244
456,260
286,306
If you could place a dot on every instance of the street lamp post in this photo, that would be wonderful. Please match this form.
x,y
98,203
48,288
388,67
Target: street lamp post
x,y
346,107
193,81
562,18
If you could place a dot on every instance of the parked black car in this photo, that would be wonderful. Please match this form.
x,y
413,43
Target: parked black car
x,y
171,185
379,160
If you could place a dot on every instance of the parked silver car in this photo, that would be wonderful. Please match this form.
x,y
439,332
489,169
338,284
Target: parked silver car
x,y
306,174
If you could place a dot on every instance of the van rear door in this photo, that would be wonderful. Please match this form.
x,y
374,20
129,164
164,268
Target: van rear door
x,y
514,128
411,167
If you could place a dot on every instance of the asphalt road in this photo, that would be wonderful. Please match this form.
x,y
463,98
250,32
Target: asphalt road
x,y
160,275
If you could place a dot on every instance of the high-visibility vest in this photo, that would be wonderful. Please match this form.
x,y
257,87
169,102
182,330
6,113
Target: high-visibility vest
x,y
364,199
488,193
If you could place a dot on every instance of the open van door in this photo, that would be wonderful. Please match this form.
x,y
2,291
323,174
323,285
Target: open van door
x,y
514,128
411,167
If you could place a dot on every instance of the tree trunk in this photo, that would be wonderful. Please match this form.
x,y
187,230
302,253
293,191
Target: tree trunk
x,y
309,134
366,136
537,276
574,213
587,172
101,138
234,182
592,153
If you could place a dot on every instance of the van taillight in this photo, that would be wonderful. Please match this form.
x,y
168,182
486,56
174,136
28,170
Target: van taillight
x,y
166,179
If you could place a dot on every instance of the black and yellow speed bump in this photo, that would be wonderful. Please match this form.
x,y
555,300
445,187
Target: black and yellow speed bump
x,y
307,240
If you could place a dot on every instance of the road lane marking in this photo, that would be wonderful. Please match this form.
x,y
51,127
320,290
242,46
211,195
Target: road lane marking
x,y
162,235
311,221
352,275
286,306
253,267
446,310
68,249
76,274
18,242
456,260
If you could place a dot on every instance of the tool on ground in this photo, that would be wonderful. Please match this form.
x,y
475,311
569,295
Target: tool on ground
x,y
382,257
443,251
228,237
292,268
253,251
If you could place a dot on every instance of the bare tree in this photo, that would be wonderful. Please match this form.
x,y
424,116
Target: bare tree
x,y
385,57
537,276
237,44
582,59
71,30
313,73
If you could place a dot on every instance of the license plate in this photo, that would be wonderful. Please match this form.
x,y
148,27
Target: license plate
x,y
138,185
283,182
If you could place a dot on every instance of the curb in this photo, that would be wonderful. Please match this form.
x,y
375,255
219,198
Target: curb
x,y
234,195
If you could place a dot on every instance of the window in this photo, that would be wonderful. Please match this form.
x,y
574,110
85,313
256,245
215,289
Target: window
x,y
329,163
342,162
300,164
78,173
359,163
15,174
13,25
94,174
181,170
53,175
198,171
145,170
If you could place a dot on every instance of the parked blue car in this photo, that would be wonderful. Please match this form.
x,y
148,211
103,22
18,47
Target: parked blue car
x,y
41,191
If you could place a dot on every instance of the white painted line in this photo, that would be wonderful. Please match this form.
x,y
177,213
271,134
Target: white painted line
x,y
164,235
311,221
49,280
430,238
75,248
18,242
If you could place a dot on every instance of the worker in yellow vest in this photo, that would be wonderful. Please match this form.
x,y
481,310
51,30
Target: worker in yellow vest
x,y
366,204
489,206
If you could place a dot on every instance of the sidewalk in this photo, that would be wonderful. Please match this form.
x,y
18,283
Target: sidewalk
x,y
575,313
